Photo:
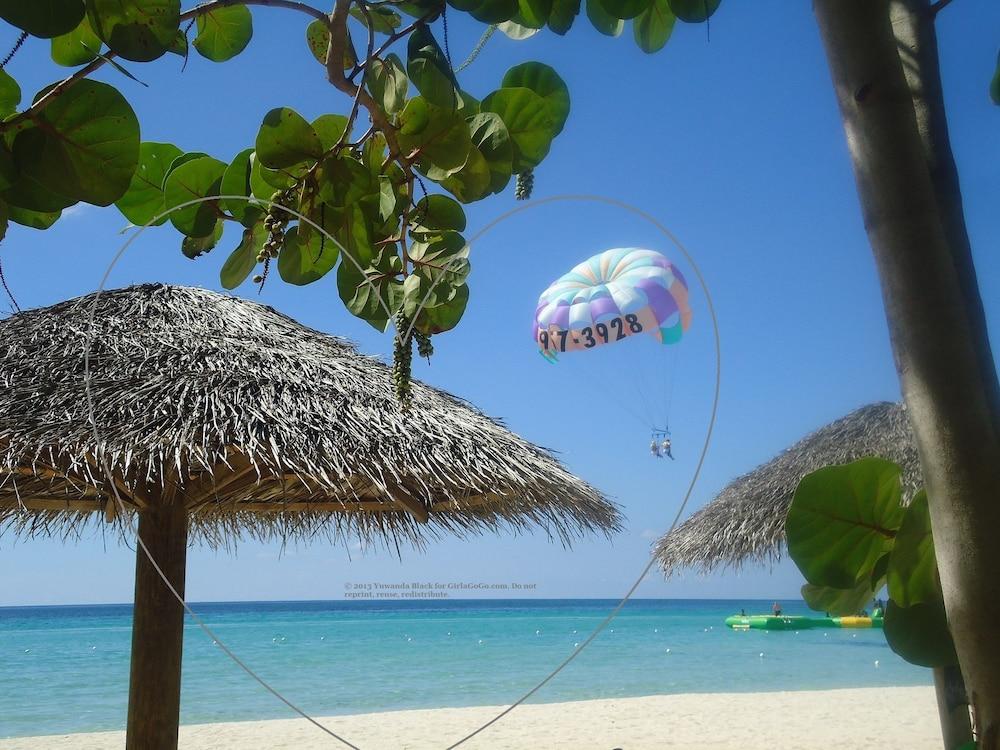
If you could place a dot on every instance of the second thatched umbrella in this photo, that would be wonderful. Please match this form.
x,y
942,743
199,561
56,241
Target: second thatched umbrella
x,y
746,521
218,418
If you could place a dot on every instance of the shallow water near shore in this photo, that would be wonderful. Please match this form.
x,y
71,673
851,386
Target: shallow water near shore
x,y
65,669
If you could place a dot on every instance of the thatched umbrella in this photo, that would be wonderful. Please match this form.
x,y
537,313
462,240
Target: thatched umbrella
x,y
220,418
746,521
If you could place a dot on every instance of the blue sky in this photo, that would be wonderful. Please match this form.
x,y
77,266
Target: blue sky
x,y
734,143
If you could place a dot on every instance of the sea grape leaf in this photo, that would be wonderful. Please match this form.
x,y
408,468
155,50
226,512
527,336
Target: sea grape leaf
x,y
329,128
383,20
920,633
78,47
912,573
490,136
530,124
303,263
8,170
439,136
995,83
603,21
318,41
198,178
236,181
33,219
517,31
243,259
182,159
439,212
179,46
344,181
223,32
843,519
355,236
368,293
694,11
533,13
85,144
386,198
445,316
429,70
287,140
838,601
443,261
264,182
562,15
27,193
43,18
10,94
387,82
487,11
877,577
652,28
625,9
144,198
472,182
192,247
545,82
140,30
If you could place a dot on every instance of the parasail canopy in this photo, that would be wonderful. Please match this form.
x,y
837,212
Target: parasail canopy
x,y
612,296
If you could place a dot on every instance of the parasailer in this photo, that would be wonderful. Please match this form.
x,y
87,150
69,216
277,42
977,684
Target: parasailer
x,y
613,296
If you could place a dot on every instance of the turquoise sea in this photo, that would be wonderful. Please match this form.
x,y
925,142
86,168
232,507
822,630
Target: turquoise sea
x,y
65,669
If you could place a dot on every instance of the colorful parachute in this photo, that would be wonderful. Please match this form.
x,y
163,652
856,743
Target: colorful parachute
x,y
613,295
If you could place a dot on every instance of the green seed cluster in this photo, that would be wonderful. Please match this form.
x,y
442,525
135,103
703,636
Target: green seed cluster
x,y
402,363
524,185
425,348
275,223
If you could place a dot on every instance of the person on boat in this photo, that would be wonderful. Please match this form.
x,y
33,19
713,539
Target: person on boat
x,y
776,608
743,612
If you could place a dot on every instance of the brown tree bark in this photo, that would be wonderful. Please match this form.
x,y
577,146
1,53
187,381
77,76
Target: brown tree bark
x,y
953,707
897,138
157,631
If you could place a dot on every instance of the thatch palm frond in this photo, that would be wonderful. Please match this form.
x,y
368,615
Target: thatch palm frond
x,y
261,426
746,521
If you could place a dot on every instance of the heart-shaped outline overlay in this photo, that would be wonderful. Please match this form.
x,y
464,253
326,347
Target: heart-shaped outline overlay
x,y
402,336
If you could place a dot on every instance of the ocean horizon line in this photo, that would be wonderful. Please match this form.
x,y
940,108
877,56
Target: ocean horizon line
x,y
412,602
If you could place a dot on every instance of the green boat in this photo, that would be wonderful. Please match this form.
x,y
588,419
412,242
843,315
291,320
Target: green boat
x,y
799,622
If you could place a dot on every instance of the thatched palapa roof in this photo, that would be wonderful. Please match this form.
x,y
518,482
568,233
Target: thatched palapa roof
x,y
262,426
746,521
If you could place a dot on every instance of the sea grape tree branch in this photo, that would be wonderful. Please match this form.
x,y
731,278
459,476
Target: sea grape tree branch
x,y
335,74
109,55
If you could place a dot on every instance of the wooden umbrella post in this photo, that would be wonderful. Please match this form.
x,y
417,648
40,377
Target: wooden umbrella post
x,y
157,631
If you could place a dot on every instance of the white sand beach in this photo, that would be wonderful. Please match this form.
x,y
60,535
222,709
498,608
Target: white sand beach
x,y
862,719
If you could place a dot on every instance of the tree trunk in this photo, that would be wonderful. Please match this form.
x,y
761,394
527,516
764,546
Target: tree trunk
x,y
934,313
157,631
953,707
916,39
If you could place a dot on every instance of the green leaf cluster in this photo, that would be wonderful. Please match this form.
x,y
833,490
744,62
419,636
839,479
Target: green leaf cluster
x,y
850,535
652,20
310,195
